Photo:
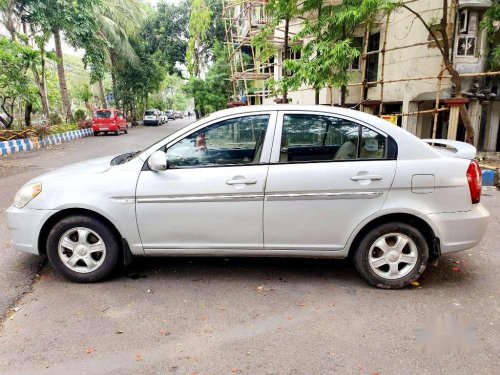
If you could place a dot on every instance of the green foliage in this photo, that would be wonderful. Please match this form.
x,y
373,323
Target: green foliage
x,y
212,94
135,82
15,59
491,23
80,114
199,24
166,33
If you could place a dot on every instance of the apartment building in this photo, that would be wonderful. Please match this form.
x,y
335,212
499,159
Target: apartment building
x,y
397,75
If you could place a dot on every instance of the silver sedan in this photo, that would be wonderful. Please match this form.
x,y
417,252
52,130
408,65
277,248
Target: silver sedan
x,y
287,181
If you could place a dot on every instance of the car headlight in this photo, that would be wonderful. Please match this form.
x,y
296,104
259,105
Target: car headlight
x,y
26,194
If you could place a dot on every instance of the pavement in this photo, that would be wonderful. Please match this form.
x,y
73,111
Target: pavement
x,y
240,315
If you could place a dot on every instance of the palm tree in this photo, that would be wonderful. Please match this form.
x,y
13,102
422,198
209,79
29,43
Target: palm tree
x,y
118,22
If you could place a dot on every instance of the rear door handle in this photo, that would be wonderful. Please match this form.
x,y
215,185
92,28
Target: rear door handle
x,y
366,177
242,181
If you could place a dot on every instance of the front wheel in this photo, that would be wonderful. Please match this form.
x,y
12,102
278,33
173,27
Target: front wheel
x,y
392,255
83,249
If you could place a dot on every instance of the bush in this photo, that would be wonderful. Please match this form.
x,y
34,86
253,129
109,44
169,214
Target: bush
x,y
80,115
55,119
86,124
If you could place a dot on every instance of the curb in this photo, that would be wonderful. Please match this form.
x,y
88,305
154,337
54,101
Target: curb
x,y
21,145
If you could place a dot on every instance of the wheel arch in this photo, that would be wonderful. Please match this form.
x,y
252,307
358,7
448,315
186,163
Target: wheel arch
x,y
423,226
67,212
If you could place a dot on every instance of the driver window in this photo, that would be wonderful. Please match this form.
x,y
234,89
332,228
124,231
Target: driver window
x,y
230,142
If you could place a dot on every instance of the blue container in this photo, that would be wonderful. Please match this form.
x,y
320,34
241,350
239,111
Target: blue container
x,y
488,177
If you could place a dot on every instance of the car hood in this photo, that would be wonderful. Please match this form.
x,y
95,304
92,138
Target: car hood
x,y
88,167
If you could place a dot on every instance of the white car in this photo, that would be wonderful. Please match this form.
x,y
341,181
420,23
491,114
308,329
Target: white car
x,y
286,181
152,117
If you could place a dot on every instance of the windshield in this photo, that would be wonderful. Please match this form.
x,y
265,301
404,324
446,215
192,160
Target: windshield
x,y
103,114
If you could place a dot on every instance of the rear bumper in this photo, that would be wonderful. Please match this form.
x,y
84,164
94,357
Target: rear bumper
x,y
460,230
150,122
104,128
24,225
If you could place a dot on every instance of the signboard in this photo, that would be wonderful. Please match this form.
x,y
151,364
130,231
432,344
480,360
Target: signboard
x,y
391,118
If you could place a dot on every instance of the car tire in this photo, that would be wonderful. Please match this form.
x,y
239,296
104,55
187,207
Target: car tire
x,y
126,130
96,134
90,263
392,255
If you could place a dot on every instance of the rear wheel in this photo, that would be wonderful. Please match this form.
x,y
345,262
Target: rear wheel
x,y
83,249
126,130
96,134
392,255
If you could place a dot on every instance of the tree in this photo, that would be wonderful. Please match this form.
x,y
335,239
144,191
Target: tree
x,y
279,12
329,47
166,33
199,24
491,23
15,60
117,23
439,34
76,19
211,94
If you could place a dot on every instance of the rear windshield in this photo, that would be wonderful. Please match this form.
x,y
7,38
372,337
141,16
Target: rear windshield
x,y
149,113
104,114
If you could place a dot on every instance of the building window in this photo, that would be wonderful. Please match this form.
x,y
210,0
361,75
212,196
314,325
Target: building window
x,y
293,54
356,64
467,30
372,59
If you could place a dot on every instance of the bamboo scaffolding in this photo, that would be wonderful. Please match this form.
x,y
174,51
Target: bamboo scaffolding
x,y
381,105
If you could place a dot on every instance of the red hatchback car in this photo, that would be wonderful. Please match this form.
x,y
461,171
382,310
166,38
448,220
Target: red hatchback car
x,y
109,121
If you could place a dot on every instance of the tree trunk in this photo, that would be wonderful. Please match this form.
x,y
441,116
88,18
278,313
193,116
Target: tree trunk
x,y
343,94
66,103
102,95
285,57
113,56
27,113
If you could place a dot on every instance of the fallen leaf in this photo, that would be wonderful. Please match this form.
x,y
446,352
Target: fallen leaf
x,y
89,350
139,357
302,305
455,269
260,288
119,332
415,283
234,369
289,318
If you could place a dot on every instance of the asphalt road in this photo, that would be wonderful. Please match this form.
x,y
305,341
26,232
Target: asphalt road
x,y
241,316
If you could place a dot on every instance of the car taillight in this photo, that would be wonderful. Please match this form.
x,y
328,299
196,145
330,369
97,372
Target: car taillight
x,y
475,181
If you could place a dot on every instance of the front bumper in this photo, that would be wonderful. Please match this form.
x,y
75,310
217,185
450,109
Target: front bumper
x,y
25,225
461,230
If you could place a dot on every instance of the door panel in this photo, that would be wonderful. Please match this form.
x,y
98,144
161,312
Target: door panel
x,y
317,204
197,208
211,196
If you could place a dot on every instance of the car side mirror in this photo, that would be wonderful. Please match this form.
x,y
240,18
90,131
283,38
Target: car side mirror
x,y
158,161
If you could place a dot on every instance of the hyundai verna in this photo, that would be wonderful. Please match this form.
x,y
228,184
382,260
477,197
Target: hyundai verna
x,y
285,181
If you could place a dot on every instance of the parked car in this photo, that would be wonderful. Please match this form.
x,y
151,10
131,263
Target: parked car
x,y
291,181
152,117
163,118
109,121
171,115
178,114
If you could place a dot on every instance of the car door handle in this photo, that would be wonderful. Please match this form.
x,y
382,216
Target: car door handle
x,y
360,177
251,181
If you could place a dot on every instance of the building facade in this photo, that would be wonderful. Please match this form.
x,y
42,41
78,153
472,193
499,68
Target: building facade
x,y
399,74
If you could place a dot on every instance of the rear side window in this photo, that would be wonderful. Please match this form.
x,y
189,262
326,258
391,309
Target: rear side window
x,y
104,114
313,138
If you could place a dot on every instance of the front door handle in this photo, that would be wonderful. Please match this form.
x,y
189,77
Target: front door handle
x,y
251,181
372,177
